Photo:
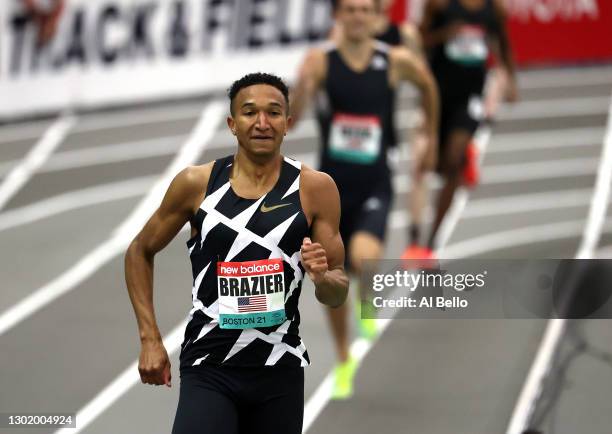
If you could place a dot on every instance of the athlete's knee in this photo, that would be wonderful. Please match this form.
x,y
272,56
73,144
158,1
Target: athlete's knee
x,y
454,158
362,247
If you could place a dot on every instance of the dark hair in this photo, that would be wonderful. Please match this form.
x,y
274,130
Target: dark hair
x,y
257,78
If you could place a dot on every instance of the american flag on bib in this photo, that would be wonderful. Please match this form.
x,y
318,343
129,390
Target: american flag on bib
x,y
250,304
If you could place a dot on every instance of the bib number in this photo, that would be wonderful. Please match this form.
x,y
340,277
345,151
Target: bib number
x,y
468,47
355,138
251,294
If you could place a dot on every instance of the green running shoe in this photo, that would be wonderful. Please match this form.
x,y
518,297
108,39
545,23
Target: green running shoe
x,y
343,379
368,326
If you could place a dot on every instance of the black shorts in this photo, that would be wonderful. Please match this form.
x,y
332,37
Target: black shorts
x,y
464,113
231,400
365,211
461,106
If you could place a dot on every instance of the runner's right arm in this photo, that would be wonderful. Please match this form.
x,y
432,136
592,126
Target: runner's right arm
x,y
323,256
310,77
177,207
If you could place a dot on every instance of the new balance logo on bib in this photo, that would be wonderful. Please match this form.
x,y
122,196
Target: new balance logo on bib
x,y
251,293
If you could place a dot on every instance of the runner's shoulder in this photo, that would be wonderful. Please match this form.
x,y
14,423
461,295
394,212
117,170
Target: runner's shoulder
x,y
190,183
317,186
316,59
402,57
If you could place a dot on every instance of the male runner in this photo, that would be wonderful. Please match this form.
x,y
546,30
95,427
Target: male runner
x,y
359,76
459,35
252,218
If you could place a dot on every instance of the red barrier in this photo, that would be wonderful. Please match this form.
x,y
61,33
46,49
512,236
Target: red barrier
x,y
398,11
560,31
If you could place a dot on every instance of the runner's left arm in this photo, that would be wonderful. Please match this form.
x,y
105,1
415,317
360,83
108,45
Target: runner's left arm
x,y
414,69
308,82
323,256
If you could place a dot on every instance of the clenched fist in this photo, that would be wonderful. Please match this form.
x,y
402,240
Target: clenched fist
x,y
154,364
314,260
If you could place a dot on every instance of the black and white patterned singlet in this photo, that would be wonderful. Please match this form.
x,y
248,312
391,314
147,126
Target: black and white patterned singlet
x,y
247,274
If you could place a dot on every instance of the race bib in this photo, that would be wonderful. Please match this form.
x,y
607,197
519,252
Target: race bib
x,y
355,138
469,46
251,294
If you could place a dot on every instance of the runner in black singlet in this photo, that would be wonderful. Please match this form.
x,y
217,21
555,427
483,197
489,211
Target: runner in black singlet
x,y
459,35
252,218
358,77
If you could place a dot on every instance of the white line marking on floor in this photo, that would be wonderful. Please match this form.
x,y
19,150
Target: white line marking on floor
x,y
35,158
118,153
75,199
117,388
89,264
517,237
508,173
555,329
453,215
600,198
545,139
506,205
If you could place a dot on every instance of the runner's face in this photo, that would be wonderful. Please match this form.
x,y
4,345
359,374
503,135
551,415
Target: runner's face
x,y
356,17
260,118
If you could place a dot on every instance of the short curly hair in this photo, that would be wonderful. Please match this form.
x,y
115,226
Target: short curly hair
x,y
257,78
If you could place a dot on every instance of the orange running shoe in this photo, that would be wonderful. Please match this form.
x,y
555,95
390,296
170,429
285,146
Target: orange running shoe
x,y
420,257
471,171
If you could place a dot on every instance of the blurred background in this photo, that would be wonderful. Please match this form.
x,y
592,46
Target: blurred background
x,y
102,102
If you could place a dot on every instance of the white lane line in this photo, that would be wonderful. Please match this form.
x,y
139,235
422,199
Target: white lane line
x,y
545,109
517,237
508,173
528,202
91,123
546,139
75,199
462,195
529,80
556,327
131,118
507,205
89,264
117,388
566,77
114,153
35,158
600,198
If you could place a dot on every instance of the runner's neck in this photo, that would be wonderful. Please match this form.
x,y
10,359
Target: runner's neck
x,y
356,54
254,178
